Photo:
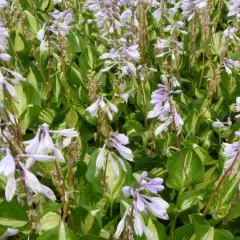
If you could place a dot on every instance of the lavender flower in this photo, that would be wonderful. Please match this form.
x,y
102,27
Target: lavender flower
x,y
35,186
169,47
219,124
7,164
190,7
230,33
9,83
4,34
234,9
164,109
117,141
62,22
230,64
124,56
10,188
61,25
237,107
7,169
103,104
230,151
9,232
143,204
42,144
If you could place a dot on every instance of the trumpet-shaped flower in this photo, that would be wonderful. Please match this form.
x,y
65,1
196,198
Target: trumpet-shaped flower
x,y
230,64
33,184
143,204
103,104
39,148
10,188
117,141
164,109
7,164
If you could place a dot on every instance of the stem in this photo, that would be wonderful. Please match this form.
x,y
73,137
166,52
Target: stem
x,y
60,41
66,209
172,227
178,144
200,83
233,205
105,175
129,223
220,182
144,103
49,68
19,136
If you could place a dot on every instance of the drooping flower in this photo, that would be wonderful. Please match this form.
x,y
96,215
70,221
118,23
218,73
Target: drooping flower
x,y
9,233
230,64
9,83
164,108
237,107
170,47
142,204
234,9
33,184
7,164
218,124
39,148
231,33
117,141
230,151
10,188
103,104
4,34
191,7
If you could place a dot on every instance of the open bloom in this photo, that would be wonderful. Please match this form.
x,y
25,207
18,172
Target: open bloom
x,y
230,151
237,107
8,80
103,104
234,9
191,7
143,204
35,186
231,33
39,148
10,188
4,34
117,141
170,47
164,109
7,164
230,64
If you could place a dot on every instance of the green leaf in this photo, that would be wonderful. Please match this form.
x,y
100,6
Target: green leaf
x,y
203,230
12,214
31,22
60,232
87,219
91,237
189,199
184,233
225,196
109,228
114,185
193,165
77,42
157,229
50,220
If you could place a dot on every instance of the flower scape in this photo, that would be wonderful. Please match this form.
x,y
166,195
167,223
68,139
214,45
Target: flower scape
x,y
120,119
